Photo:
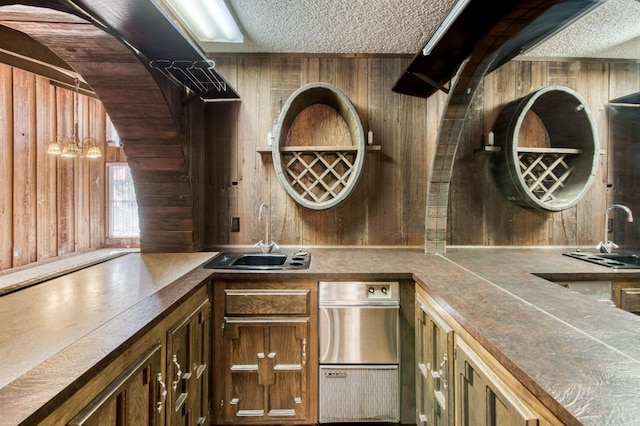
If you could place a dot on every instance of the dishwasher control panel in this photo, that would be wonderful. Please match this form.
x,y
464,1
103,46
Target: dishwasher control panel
x,y
359,292
379,291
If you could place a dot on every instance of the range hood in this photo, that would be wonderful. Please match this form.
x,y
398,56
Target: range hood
x,y
632,100
151,34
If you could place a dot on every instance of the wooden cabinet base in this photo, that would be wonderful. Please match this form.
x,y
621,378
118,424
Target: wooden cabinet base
x,y
626,295
266,333
134,397
459,382
141,385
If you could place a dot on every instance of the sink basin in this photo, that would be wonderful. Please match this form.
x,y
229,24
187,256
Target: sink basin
x,y
610,260
260,261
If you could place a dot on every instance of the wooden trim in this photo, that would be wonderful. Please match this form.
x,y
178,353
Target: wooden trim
x,y
269,150
538,150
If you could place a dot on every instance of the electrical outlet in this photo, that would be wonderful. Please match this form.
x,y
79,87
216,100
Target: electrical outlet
x,y
235,224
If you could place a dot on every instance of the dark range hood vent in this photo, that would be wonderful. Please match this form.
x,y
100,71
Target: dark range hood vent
x,y
158,42
429,73
628,100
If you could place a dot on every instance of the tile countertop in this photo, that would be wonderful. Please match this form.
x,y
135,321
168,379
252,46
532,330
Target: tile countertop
x,y
580,356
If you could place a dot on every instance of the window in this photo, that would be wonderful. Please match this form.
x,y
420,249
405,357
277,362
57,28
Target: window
x,y
113,139
123,208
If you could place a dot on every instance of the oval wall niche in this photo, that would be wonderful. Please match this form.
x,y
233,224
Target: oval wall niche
x,y
549,149
318,146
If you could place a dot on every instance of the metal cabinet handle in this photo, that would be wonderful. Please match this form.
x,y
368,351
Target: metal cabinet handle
x,y
178,373
163,394
304,351
443,370
442,373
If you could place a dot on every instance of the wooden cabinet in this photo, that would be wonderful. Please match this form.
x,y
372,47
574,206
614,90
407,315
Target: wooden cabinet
x,y
459,382
188,354
135,397
626,295
268,358
266,369
434,356
483,397
160,379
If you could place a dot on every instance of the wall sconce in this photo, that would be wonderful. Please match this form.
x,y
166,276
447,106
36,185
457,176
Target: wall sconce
x,y
71,146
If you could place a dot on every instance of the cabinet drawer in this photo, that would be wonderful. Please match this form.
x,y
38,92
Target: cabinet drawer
x,y
630,299
267,301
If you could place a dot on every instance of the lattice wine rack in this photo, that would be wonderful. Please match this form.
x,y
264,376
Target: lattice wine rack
x,y
318,174
318,146
545,170
546,151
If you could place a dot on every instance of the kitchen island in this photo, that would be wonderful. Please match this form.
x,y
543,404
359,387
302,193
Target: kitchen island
x,y
579,356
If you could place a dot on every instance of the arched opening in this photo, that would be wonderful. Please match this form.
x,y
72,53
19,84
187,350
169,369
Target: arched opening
x,y
146,110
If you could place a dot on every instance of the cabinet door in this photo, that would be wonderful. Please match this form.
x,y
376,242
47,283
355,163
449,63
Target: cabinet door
x,y
484,398
135,397
188,346
200,362
266,370
434,347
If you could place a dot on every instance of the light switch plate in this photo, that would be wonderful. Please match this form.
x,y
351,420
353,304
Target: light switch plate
x,y
235,224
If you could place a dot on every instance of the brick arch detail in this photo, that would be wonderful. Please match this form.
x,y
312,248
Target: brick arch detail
x,y
463,88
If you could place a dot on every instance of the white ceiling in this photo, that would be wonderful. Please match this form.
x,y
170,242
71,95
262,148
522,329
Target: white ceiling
x,y
334,26
610,31
404,26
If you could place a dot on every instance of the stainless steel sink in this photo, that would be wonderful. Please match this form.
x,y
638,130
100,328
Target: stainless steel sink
x,y
260,261
610,260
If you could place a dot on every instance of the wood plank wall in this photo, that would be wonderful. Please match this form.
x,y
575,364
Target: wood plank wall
x,y
388,206
53,207
49,206
480,215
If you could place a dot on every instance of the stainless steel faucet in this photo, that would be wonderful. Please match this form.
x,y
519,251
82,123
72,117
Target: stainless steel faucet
x,y
265,245
605,245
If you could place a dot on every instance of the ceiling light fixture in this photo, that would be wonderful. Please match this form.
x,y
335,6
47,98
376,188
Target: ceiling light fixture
x,y
71,147
207,20
451,17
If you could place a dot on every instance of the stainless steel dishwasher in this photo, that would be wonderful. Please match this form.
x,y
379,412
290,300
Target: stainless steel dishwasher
x,y
359,352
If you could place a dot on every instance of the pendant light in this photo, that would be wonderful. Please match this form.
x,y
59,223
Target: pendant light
x,y
71,146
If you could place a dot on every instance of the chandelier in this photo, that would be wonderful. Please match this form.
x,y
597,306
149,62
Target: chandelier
x,y
70,146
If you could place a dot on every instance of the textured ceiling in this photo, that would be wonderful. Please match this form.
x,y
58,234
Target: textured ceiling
x,y
336,26
609,31
403,27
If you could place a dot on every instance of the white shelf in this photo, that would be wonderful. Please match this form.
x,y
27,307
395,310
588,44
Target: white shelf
x,y
299,148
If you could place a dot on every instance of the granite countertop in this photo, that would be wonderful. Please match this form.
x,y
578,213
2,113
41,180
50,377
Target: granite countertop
x,y
581,357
